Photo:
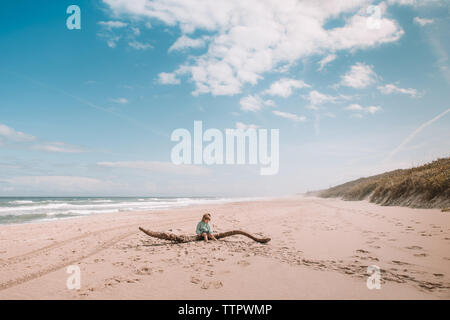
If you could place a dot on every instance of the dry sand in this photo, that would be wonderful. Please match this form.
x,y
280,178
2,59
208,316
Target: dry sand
x,y
320,249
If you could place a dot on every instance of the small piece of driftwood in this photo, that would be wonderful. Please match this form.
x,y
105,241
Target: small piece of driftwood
x,y
183,238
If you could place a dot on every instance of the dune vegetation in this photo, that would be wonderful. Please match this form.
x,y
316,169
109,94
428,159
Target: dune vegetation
x,y
426,186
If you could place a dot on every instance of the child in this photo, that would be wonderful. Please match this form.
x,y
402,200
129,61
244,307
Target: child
x,y
203,228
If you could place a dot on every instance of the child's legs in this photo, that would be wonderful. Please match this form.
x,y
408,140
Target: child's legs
x,y
211,236
205,236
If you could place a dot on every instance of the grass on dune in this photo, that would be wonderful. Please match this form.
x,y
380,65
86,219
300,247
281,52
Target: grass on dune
x,y
426,186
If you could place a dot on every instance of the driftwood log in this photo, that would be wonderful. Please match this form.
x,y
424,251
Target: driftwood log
x,y
182,238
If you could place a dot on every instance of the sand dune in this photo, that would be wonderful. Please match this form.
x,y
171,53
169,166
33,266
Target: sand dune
x,y
320,248
426,186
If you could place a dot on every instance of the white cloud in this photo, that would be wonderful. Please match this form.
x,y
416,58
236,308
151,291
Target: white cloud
x,y
254,103
357,115
402,2
423,21
326,60
354,107
359,76
317,98
249,38
69,184
168,78
289,116
111,41
112,24
120,100
284,86
113,31
366,30
136,31
58,147
269,103
10,134
372,109
184,42
392,88
251,103
139,45
417,3
284,68
157,166
358,110
241,125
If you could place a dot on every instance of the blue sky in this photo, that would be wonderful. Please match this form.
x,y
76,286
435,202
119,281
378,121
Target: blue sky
x,y
355,88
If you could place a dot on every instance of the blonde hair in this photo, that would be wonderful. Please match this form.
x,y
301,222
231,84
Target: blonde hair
x,y
206,216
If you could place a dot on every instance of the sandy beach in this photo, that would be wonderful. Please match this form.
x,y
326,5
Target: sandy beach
x,y
320,249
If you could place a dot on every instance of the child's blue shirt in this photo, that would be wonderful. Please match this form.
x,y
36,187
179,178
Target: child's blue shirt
x,y
203,227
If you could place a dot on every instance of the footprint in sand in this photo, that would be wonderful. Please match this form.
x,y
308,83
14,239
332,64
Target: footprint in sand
x,y
144,271
401,263
212,284
195,280
132,280
414,247
420,255
244,263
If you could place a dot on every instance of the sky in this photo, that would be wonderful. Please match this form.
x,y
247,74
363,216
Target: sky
x,y
355,88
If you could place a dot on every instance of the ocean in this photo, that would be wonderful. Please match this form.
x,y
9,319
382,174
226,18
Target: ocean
x,y
30,209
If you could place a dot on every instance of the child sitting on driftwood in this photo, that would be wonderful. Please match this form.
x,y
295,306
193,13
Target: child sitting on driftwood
x,y
204,229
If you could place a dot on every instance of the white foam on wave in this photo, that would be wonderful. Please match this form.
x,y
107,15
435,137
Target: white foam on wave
x,y
21,201
55,209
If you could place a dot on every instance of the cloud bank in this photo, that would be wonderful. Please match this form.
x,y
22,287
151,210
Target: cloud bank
x,y
249,38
